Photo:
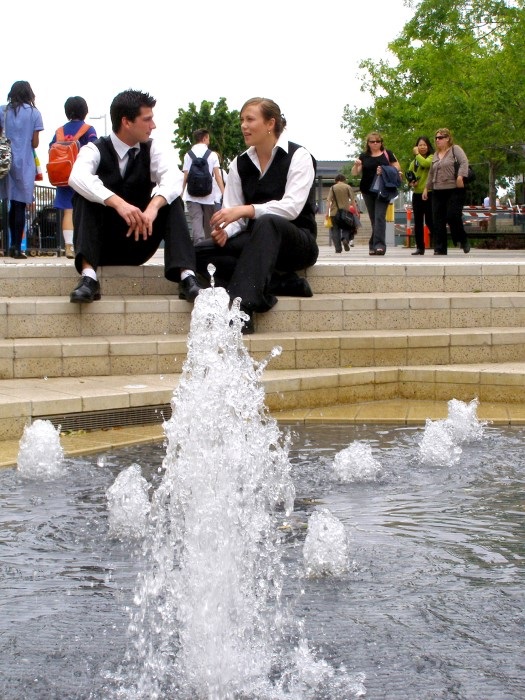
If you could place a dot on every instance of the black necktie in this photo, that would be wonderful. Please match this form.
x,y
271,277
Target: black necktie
x,y
131,159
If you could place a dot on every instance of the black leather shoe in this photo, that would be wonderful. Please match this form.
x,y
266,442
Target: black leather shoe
x,y
466,247
248,327
291,285
18,255
86,291
418,252
438,252
189,288
346,245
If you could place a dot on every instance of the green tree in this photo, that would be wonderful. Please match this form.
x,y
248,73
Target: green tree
x,y
224,127
459,64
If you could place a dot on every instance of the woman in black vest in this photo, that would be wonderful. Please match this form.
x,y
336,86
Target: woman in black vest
x,y
266,230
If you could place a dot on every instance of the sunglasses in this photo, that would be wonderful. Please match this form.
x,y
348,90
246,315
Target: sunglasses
x,y
438,138
374,142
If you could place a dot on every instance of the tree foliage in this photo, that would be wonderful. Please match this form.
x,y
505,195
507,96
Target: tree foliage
x,y
225,133
458,64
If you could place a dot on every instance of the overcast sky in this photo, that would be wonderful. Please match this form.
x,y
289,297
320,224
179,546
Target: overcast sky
x,y
303,55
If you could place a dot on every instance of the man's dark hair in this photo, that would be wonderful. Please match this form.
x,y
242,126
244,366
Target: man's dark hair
x,y
200,134
340,178
76,108
128,104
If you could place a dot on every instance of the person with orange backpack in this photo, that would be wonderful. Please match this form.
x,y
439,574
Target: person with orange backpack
x,y
74,133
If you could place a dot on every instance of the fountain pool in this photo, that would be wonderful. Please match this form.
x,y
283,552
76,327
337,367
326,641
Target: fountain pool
x,y
430,606
239,561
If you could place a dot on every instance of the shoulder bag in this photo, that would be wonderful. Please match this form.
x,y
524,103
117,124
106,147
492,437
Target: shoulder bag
x,y
343,218
471,176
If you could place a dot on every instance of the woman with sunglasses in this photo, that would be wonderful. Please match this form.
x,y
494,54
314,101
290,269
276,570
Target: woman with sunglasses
x,y
368,165
445,179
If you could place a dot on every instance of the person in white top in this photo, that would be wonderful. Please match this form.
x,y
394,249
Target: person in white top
x,y
266,230
200,209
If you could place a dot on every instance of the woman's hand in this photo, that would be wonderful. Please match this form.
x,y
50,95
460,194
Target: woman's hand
x,y
425,194
223,217
219,236
220,220
459,182
357,167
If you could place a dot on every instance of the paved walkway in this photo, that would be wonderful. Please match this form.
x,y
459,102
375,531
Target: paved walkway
x,y
359,253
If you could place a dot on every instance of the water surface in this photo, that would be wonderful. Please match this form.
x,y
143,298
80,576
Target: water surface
x,y
431,606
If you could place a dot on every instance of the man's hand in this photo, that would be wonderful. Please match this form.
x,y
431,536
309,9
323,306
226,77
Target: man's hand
x,y
140,222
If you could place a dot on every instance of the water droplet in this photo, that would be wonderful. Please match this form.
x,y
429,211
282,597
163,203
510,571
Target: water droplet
x,y
211,271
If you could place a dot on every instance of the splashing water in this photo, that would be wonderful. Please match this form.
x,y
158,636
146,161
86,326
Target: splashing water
x,y
128,504
356,463
437,446
441,440
462,421
326,547
41,455
208,621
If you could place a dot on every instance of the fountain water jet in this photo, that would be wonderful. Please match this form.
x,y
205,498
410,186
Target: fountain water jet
x,y
326,549
440,444
209,614
41,454
128,504
356,463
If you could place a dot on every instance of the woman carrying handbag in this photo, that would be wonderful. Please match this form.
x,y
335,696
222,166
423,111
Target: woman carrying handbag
x,y
341,197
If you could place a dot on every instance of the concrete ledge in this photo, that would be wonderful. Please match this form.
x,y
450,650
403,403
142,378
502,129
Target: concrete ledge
x,y
22,401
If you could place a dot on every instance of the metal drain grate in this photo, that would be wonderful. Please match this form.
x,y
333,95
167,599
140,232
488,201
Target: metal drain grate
x,y
114,418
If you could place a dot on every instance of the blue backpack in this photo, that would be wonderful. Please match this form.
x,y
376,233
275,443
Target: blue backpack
x,y
200,181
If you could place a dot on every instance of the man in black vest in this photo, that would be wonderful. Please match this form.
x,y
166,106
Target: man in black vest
x,y
127,200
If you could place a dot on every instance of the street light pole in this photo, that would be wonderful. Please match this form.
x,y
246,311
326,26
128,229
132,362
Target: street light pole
x,y
104,117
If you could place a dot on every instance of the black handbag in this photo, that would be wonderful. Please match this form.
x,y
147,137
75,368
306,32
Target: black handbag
x,y
343,218
471,175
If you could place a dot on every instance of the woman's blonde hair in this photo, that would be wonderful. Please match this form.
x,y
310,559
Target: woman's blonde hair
x,y
445,132
376,135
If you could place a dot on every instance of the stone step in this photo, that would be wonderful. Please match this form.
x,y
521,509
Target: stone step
x,y
52,317
353,272
376,329
162,354
102,402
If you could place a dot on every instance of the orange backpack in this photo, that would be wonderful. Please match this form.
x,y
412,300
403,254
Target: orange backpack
x,y
62,155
